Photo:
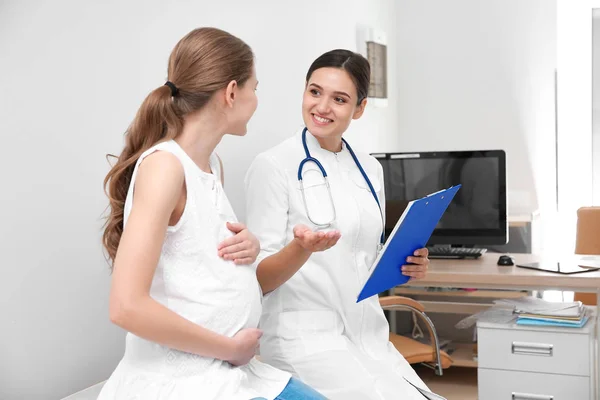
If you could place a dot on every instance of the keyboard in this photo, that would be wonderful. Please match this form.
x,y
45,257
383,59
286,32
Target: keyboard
x,y
455,252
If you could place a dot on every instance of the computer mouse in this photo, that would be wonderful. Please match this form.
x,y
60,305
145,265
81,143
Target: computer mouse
x,y
505,260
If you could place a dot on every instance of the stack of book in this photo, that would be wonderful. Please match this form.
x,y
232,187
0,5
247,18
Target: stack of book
x,y
534,311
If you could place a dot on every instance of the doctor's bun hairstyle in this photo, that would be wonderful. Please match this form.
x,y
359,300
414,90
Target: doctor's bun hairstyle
x,y
202,62
353,63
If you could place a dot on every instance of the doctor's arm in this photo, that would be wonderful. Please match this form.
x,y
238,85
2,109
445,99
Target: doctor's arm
x,y
276,269
158,188
267,207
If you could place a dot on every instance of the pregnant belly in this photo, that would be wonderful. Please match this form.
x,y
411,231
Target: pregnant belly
x,y
223,305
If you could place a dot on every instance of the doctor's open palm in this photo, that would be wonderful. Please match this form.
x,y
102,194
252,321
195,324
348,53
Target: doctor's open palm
x,y
315,241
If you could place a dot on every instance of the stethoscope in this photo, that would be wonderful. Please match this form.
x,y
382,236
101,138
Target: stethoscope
x,y
309,158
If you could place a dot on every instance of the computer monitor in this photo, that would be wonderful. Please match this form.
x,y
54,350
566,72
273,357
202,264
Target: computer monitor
x,y
477,214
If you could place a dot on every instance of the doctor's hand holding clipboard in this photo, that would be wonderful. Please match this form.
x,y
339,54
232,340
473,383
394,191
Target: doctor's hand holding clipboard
x,y
418,264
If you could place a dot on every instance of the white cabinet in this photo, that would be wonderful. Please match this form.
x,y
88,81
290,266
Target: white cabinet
x,y
497,384
535,363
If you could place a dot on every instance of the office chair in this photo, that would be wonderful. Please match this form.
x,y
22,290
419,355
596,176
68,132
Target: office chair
x,y
414,351
587,242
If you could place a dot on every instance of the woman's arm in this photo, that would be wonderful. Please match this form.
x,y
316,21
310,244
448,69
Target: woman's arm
x,y
158,187
267,206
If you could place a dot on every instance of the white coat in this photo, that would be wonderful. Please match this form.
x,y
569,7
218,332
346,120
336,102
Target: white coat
x,y
312,325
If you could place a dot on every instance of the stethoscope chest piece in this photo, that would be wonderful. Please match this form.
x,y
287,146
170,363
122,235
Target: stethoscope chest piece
x,y
316,191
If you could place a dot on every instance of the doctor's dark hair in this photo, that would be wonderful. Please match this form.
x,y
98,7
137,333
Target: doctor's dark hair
x,y
203,62
353,63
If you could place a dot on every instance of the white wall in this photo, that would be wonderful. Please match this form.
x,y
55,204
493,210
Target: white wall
x,y
596,105
72,76
480,75
463,74
574,56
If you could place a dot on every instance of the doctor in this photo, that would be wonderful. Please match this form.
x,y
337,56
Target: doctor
x,y
317,207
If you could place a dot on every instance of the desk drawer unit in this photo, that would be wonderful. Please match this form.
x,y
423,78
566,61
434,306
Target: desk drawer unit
x,y
520,350
535,363
516,385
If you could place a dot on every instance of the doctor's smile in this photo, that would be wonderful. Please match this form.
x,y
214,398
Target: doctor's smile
x,y
321,120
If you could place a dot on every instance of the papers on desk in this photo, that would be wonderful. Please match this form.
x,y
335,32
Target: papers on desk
x,y
534,311
552,322
588,261
534,305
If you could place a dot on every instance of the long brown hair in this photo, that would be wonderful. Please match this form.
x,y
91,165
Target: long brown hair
x,y
204,61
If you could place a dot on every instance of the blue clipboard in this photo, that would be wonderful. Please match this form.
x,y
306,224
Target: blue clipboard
x,y
412,231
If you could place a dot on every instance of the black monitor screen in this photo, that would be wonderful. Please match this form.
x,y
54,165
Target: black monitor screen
x,y
476,215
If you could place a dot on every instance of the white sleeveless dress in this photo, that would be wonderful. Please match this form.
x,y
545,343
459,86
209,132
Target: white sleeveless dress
x,y
193,281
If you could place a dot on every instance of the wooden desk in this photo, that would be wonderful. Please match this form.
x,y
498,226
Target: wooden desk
x,y
484,273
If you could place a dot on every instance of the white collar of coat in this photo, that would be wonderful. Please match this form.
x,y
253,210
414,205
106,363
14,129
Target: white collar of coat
x,y
314,147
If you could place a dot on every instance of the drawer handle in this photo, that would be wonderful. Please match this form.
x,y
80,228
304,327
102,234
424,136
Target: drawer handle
x,y
527,396
532,349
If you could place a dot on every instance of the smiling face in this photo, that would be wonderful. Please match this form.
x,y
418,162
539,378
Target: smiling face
x,y
330,102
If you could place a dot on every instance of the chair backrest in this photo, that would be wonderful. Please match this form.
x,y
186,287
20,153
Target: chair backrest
x,y
588,242
588,231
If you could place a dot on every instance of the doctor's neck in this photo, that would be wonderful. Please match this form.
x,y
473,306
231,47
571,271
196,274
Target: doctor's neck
x,y
332,144
202,132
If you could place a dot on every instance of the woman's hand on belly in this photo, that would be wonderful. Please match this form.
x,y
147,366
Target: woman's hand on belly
x,y
315,241
244,346
242,248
